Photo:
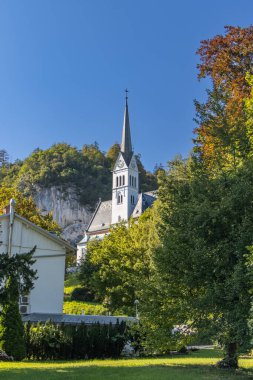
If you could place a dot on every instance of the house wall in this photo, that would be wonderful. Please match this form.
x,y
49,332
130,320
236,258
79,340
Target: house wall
x,y
47,294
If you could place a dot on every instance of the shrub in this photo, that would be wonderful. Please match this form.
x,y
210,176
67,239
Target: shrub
x,y
61,342
82,294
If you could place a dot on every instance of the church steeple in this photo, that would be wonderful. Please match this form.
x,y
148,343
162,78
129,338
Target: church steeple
x,y
125,178
126,144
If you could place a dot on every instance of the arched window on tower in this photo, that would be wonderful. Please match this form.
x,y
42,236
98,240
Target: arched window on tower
x,y
120,199
117,181
120,180
135,182
123,180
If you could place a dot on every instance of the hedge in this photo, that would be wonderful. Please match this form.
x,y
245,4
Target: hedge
x,y
63,342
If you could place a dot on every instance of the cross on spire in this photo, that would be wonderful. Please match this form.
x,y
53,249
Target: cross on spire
x,y
126,91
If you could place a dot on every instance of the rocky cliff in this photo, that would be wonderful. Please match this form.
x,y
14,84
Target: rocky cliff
x,y
66,208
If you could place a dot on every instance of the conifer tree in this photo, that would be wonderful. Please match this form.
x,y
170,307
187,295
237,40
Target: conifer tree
x,y
11,325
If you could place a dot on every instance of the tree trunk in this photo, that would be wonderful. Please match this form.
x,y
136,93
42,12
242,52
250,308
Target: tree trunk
x,y
231,358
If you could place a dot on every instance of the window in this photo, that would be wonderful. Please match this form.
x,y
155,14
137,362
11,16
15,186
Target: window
x,y
134,181
123,180
119,218
117,181
120,199
120,180
132,199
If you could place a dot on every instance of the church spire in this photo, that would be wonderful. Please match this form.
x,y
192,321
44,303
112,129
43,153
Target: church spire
x,y
126,145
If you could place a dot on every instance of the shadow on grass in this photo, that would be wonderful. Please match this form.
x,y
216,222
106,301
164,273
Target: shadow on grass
x,y
152,372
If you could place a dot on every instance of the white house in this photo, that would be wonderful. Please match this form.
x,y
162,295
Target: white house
x,y
18,235
126,200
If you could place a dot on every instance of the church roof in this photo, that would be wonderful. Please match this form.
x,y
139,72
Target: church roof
x,y
126,144
102,217
145,200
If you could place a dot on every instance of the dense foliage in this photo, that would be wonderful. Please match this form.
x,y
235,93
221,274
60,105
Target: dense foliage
x,y
61,342
203,261
87,170
117,267
11,325
4,157
203,264
18,267
221,136
82,294
16,277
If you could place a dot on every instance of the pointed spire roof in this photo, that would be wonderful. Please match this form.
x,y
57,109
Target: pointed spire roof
x,y
126,144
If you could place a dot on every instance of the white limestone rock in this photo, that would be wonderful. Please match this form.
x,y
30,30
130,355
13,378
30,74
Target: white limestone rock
x,y
66,209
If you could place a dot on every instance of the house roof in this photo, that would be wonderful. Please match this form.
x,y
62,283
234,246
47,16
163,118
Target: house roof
x,y
48,234
76,319
102,217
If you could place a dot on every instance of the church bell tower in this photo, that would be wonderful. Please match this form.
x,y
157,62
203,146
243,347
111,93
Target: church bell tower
x,y
125,182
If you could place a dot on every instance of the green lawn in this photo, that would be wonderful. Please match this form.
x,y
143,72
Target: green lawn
x,y
79,307
189,367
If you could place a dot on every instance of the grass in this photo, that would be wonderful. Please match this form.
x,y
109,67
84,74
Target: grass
x,y
189,367
79,307
72,280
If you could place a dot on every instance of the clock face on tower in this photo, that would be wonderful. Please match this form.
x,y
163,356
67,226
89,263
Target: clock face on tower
x,y
120,164
133,165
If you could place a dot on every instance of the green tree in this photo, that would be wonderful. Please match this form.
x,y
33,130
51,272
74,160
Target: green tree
x,y
221,137
11,325
4,157
94,154
148,181
17,266
116,268
16,277
112,154
202,261
86,171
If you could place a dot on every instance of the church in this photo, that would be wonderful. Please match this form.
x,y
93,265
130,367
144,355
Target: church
x,y
126,200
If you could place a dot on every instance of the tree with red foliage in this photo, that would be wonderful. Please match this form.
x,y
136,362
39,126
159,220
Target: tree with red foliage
x,y
221,132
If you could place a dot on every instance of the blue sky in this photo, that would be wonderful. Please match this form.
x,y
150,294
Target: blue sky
x,y
65,64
